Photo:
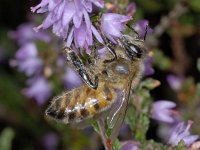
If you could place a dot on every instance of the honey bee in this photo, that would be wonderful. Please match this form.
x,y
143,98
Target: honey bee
x,y
108,84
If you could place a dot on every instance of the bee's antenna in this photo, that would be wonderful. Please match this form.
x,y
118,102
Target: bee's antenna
x,y
129,26
145,34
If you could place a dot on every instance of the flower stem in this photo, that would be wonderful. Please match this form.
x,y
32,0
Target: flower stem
x,y
105,139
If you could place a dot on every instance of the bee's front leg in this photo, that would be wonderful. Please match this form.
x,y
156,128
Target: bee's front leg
x,y
110,48
75,61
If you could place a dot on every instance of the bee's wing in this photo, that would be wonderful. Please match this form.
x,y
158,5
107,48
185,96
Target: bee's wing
x,y
118,111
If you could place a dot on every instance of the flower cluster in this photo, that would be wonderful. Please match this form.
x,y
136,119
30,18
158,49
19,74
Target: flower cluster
x,y
71,21
28,61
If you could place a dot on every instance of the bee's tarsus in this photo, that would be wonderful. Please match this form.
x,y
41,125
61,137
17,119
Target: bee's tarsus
x,y
112,51
87,79
75,61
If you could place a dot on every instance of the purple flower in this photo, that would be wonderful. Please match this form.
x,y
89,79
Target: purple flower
x,y
71,79
162,111
175,82
131,9
61,61
27,59
140,27
50,141
181,132
102,52
129,146
125,131
39,89
148,69
62,12
25,34
113,24
82,36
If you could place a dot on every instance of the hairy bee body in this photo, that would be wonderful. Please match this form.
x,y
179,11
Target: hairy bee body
x,y
82,103
115,77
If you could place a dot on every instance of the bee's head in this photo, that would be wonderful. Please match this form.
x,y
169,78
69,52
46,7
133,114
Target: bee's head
x,y
134,47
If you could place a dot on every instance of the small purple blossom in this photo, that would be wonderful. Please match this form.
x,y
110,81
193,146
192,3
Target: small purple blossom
x,y
162,111
181,132
25,34
148,69
102,52
62,12
175,82
129,146
125,131
71,79
82,36
131,9
113,24
27,59
50,141
39,89
140,27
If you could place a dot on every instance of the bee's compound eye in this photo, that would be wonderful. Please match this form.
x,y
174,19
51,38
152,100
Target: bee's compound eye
x,y
122,69
136,50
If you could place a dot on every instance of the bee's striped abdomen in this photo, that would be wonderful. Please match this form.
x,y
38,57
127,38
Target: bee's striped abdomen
x,y
82,103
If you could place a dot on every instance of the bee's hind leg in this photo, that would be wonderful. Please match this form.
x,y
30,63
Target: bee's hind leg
x,y
75,61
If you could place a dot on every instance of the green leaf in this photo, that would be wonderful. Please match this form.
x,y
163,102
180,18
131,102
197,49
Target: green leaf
x,y
181,145
9,85
116,145
138,114
149,83
131,117
96,126
161,61
195,5
6,138
198,90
